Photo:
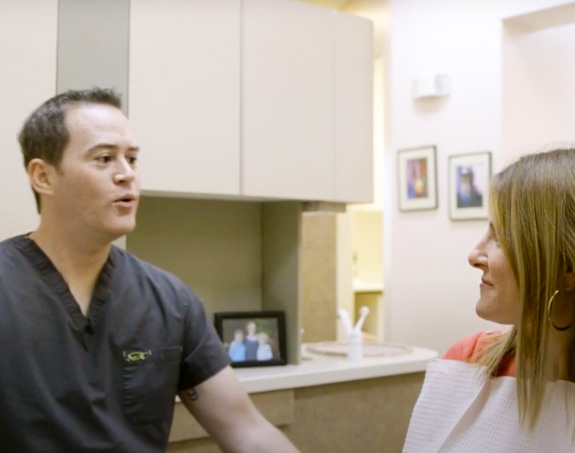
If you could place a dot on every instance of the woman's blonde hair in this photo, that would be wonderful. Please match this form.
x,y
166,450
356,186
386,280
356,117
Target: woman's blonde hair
x,y
532,207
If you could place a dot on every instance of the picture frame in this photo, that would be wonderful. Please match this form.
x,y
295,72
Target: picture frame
x,y
253,338
417,178
469,176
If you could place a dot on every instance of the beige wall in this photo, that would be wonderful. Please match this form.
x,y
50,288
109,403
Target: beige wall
x,y
214,246
431,291
538,87
367,245
28,77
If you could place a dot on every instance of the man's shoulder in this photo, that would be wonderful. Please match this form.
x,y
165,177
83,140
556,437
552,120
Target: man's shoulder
x,y
15,266
10,243
468,349
8,247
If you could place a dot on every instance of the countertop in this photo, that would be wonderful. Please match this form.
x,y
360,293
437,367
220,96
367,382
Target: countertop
x,y
316,369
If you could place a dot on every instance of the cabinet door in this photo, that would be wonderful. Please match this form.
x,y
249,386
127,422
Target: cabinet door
x,y
28,43
287,100
184,94
353,66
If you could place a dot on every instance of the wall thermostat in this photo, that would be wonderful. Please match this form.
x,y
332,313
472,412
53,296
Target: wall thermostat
x,y
435,86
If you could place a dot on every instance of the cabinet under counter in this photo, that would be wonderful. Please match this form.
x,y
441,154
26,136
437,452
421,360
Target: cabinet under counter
x,y
327,404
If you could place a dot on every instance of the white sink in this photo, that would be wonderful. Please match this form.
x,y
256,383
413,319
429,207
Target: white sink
x,y
370,349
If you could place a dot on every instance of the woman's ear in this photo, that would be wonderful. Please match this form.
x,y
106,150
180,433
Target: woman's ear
x,y
41,174
569,281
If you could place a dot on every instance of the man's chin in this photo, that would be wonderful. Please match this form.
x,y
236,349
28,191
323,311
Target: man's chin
x,y
121,230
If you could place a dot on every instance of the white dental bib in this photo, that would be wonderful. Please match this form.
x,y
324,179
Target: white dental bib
x,y
460,409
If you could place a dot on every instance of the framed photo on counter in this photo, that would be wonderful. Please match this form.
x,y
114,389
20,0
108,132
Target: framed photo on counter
x,y
253,338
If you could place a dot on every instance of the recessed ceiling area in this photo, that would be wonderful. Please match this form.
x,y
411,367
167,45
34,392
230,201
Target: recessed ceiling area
x,y
330,4
374,10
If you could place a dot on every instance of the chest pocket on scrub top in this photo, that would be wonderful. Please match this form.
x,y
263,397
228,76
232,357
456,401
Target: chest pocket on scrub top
x,y
150,379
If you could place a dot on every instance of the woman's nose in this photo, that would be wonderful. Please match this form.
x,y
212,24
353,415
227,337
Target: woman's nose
x,y
472,258
477,257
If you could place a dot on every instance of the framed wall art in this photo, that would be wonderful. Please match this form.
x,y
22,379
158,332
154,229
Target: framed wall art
x,y
417,178
253,338
469,176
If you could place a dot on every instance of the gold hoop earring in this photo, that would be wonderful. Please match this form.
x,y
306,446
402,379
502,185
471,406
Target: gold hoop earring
x,y
549,312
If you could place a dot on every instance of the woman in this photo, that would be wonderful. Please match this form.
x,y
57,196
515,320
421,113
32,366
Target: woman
x,y
513,391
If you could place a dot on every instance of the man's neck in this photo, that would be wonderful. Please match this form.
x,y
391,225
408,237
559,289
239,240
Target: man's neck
x,y
78,259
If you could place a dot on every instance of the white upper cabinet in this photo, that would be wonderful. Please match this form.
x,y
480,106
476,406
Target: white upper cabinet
x,y
184,94
252,98
287,100
353,118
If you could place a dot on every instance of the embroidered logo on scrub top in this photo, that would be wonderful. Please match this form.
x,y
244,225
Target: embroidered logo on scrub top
x,y
137,356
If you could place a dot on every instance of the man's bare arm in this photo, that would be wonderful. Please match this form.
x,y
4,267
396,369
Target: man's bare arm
x,y
224,409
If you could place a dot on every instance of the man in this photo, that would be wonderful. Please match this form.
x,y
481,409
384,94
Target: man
x,y
94,343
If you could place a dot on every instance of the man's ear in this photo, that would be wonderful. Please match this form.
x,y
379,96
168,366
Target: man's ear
x,y
569,281
41,175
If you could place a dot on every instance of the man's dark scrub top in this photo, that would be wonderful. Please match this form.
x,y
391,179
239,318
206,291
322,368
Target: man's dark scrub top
x,y
101,383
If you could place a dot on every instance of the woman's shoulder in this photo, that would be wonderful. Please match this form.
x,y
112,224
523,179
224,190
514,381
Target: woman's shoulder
x,y
469,348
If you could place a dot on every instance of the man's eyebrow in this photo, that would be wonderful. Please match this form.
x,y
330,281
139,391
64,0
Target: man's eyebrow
x,y
110,146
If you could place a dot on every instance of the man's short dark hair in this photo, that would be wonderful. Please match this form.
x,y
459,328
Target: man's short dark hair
x,y
44,134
